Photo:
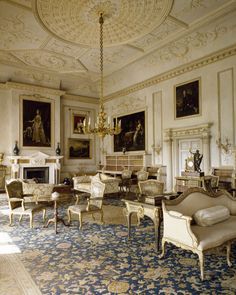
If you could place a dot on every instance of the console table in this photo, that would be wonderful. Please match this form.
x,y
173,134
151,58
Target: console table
x,y
141,209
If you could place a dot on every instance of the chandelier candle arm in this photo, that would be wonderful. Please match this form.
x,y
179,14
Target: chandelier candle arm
x,y
103,126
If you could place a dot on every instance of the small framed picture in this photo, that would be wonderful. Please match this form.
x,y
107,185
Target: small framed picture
x,y
77,123
79,148
187,99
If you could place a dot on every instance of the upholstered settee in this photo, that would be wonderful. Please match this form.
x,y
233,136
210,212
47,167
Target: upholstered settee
x,y
83,183
199,221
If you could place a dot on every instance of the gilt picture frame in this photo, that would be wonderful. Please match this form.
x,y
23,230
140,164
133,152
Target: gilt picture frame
x,y
77,123
36,122
132,136
79,148
187,99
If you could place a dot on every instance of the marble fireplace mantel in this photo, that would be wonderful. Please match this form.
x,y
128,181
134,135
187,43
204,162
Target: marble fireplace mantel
x,y
39,159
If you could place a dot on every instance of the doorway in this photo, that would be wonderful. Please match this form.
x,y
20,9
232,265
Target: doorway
x,y
185,146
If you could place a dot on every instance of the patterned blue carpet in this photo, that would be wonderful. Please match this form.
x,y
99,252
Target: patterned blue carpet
x,y
99,260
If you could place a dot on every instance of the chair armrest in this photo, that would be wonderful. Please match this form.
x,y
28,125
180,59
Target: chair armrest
x,y
177,227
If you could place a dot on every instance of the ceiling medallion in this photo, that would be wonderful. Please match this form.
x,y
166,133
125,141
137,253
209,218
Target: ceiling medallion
x,y
125,20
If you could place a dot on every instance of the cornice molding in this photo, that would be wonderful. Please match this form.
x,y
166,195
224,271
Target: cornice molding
x,y
202,131
34,88
199,63
85,99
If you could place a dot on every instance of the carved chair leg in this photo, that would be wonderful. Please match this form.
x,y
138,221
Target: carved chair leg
x,y
10,218
31,220
228,248
44,215
201,261
69,216
20,218
102,221
80,221
163,246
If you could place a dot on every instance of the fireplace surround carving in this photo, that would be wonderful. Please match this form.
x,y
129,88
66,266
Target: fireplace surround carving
x,y
40,160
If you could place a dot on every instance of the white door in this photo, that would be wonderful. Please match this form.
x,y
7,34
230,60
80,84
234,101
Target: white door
x,y
185,146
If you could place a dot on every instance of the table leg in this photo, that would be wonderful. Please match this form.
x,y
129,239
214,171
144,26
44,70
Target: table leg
x,y
55,218
156,220
128,218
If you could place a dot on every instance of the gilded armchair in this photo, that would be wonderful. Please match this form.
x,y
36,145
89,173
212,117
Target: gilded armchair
x,y
94,203
151,188
142,175
21,204
125,183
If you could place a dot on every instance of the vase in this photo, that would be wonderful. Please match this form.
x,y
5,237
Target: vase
x,y
58,150
16,149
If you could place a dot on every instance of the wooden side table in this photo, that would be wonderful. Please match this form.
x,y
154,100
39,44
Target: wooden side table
x,y
57,197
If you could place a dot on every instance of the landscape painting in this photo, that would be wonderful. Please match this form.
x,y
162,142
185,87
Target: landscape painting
x,y
79,148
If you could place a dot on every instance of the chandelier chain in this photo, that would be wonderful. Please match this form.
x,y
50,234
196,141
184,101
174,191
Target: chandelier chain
x,y
101,56
103,126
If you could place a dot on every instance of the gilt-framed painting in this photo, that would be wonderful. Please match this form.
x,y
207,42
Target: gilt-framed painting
x,y
132,136
37,119
79,148
77,123
187,99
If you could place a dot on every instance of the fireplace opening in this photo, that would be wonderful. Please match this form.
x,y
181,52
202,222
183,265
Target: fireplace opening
x,y
40,174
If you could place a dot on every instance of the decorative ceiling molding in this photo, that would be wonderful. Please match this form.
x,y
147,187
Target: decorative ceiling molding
x,y
26,4
49,61
86,99
34,88
201,62
123,20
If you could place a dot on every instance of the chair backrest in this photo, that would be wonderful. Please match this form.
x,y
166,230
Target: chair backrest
x,y
211,183
126,174
97,193
151,187
142,175
14,189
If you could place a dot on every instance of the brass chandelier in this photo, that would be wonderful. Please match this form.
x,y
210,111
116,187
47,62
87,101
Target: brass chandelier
x,y
102,127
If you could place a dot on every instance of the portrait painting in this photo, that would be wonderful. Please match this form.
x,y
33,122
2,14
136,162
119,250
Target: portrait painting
x,y
79,148
77,123
132,136
187,99
36,123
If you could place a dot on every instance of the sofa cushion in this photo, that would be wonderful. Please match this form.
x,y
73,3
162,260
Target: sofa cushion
x,y
212,215
215,235
104,177
95,177
81,179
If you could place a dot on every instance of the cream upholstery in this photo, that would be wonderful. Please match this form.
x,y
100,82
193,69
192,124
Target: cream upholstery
x,y
20,203
212,215
180,229
93,205
151,187
83,183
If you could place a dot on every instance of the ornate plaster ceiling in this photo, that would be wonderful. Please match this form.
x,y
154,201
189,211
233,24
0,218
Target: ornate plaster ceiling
x,y
55,42
77,21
